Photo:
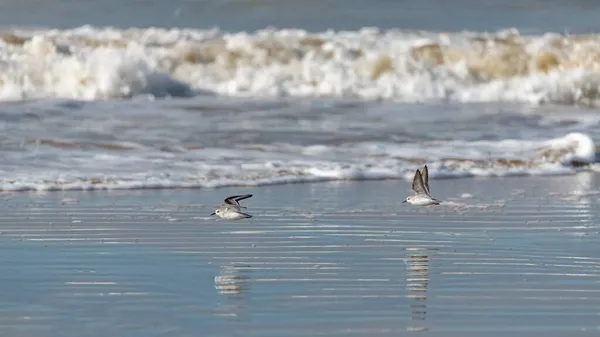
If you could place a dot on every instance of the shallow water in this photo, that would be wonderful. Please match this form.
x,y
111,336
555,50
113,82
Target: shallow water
x,y
345,258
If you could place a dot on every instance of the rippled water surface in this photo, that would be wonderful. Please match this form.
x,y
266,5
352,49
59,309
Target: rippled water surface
x,y
505,254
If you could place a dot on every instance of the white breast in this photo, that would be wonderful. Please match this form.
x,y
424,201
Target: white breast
x,y
232,215
421,201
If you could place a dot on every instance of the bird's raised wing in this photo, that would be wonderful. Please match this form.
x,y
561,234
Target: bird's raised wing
x,y
234,200
425,175
417,184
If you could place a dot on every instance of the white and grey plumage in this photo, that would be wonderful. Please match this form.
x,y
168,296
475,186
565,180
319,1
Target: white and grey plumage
x,y
231,208
422,195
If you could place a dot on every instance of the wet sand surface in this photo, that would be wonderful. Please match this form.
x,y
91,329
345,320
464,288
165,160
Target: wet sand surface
x,y
503,255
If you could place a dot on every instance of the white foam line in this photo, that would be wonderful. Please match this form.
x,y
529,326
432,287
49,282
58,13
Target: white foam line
x,y
295,268
268,257
495,264
234,264
318,280
106,294
253,251
59,239
345,296
555,290
271,246
314,230
91,283
520,273
409,241
127,294
578,258
523,298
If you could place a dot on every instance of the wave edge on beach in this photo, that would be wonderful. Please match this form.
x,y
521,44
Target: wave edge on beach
x,y
214,168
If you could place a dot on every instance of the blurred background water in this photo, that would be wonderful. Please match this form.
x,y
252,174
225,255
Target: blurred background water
x,y
529,16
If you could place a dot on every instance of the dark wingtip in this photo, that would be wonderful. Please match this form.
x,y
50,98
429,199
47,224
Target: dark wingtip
x,y
418,174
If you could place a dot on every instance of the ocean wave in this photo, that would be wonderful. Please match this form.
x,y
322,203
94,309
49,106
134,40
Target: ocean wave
x,y
127,166
103,63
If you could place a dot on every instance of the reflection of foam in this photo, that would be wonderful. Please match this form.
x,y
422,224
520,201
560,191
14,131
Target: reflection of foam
x,y
578,189
417,282
577,192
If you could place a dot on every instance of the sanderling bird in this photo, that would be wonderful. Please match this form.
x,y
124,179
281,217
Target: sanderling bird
x,y
231,208
420,186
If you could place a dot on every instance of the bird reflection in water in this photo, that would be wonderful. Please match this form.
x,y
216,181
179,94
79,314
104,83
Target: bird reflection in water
x,y
232,283
417,282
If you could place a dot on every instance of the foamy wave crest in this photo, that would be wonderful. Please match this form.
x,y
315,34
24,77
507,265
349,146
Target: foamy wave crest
x,y
136,167
93,63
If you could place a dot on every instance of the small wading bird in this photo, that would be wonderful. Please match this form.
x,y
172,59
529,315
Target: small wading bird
x,y
231,208
420,186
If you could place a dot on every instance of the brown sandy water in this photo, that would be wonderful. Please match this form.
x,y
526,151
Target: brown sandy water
x,y
517,255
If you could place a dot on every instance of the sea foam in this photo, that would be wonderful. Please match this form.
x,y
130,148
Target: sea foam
x,y
251,165
412,66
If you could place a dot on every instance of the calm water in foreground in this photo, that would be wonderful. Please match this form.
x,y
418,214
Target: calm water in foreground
x,y
504,255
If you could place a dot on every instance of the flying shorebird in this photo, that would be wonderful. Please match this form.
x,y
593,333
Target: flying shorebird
x,y
231,208
422,195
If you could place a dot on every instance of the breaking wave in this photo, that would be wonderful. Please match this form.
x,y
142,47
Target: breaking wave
x,y
102,63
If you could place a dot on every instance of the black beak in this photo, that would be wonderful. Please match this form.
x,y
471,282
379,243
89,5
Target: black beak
x,y
404,201
211,214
